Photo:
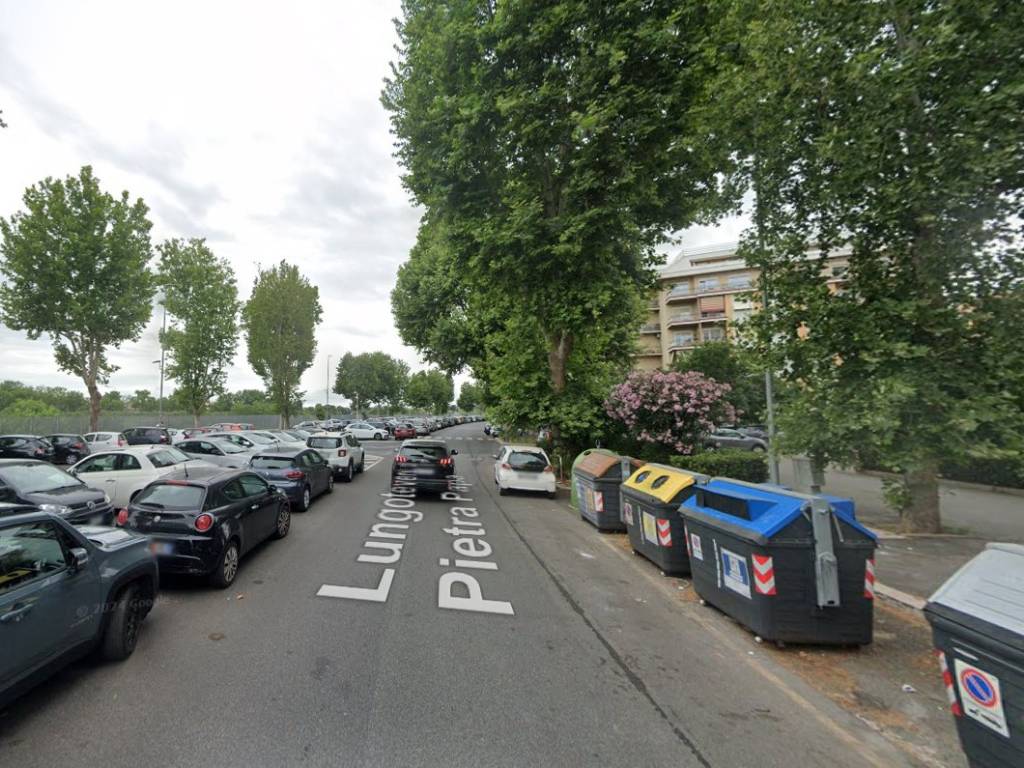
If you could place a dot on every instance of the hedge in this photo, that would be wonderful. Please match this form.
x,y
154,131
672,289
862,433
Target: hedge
x,y
1008,473
751,466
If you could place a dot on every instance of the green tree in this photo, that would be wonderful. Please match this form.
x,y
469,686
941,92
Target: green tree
x,y
29,407
549,144
143,401
75,267
201,297
430,390
280,322
371,378
729,364
113,401
470,396
893,130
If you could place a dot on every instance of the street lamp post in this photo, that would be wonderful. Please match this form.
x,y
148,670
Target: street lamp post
x,y
327,389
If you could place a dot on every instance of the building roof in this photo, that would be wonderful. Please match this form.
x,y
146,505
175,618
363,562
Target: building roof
x,y
718,257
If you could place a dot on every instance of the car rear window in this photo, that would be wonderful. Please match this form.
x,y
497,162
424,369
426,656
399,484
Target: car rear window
x,y
527,461
324,442
167,458
171,496
424,451
271,462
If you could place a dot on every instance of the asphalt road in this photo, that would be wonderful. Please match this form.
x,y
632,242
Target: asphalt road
x,y
566,651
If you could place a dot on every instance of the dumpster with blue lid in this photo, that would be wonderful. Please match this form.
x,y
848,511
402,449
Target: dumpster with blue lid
x,y
650,504
790,566
596,478
977,620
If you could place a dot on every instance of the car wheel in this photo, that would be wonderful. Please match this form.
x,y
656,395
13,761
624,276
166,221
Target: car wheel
x,y
70,459
284,520
552,494
349,473
378,436
330,483
502,491
223,575
307,497
362,465
123,628
757,449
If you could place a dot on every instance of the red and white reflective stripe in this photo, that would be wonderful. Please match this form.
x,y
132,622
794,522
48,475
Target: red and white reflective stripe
x,y
764,574
869,579
947,680
599,501
665,533
686,536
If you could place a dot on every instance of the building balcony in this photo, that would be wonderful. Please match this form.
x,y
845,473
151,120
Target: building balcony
x,y
682,320
682,343
647,353
711,316
651,328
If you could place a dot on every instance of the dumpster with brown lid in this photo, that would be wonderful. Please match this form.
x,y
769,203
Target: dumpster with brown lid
x,y
597,478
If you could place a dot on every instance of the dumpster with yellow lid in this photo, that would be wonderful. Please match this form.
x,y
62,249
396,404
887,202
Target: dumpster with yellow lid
x,y
650,509
596,478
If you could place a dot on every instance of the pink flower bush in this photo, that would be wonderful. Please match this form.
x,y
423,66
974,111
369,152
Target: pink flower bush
x,y
670,409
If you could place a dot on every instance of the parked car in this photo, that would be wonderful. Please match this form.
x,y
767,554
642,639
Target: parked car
x,y
758,431
423,465
732,438
312,426
301,475
7,508
381,425
302,435
68,448
281,438
99,441
220,452
365,431
524,468
53,490
25,447
248,440
49,572
231,426
343,452
405,432
202,523
122,474
335,425
193,432
147,436
421,427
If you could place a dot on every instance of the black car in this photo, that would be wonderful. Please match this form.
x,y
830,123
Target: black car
x,y
300,474
147,436
39,483
423,465
68,448
201,523
25,447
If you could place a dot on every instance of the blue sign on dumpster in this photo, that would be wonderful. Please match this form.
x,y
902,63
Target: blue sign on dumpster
x,y
735,575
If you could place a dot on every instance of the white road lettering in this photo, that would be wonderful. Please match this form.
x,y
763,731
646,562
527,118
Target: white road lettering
x,y
378,594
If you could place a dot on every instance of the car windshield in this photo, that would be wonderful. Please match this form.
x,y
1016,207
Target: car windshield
x,y
256,437
298,434
270,462
228,447
171,496
37,478
167,457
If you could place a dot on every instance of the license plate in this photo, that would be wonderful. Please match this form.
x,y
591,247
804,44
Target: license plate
x,y
96,520
426,472
161,547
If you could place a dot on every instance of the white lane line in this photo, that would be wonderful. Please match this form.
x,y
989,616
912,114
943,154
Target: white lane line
x,y
372,461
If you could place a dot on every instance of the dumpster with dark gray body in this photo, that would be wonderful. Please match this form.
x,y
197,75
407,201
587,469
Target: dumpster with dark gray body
x,y
597,478
650,509
790,566
977,620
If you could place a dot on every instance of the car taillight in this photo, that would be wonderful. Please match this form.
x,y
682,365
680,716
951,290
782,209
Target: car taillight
x,y
549,468
204,522
40,451
122,517
164,439
446,462
120,442
342,452
77,446
506,466
401,459
294,474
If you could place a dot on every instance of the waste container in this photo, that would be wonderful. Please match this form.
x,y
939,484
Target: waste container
x,y
573,495
977,620
790,566
650,509
597,479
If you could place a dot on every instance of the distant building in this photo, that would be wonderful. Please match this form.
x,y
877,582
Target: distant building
x,y
702,295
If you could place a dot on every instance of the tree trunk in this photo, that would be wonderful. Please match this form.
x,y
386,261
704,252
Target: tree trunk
x,y
560,347
94,405
195,418
922,514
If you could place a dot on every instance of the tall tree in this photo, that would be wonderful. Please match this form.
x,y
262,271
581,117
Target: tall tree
x,y
430,390
470,396
894,129
75,266
548,142
371,378
143,401
201,297
280,322
729,363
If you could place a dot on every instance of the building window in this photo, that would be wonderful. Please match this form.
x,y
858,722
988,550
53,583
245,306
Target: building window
x,y
708,284
682,339
713,334
840,270
680,289
740,282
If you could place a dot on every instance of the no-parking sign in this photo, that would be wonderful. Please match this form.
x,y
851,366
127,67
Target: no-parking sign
x,y
981,697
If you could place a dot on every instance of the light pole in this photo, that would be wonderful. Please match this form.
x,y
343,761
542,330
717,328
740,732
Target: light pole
x,y
769,388
327,389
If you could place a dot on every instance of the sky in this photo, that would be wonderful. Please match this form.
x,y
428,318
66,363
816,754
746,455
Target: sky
x,y
257,126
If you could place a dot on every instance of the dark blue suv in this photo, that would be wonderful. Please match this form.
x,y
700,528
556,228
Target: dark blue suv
x,y
65,591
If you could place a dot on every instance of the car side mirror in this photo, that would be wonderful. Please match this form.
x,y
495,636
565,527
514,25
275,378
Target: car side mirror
x,y
496,456
454,452
79,558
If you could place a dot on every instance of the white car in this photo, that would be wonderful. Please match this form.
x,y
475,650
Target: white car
x,y
285,441
219,452
343,452
365,431
122,474
251,441
524,468
101,441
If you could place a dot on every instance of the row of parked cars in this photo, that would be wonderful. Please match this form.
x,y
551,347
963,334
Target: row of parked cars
x,y
392,427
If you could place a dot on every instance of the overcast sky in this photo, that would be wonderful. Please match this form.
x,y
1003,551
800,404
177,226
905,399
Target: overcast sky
x,y
256,126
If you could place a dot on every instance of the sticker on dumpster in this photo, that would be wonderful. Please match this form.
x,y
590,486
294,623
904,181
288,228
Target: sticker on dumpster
x,y
735,574
598,501
764,575
981,696
627,513
695,549
665,533
650,528
581,494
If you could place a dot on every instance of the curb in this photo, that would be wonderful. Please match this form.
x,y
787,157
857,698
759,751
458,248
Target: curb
x,y
910,601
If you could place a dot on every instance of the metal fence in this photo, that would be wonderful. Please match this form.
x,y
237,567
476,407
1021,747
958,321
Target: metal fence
x,y
115,421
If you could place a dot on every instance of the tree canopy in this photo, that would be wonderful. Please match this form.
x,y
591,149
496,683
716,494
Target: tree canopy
x,y
430,390
470,396
75,266
280,320
729,363
371,378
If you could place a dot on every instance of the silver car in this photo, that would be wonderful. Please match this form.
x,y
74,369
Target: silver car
x,y
733,438
219,452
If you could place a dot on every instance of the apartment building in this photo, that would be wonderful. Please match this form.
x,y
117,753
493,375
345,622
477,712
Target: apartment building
x,y
703,295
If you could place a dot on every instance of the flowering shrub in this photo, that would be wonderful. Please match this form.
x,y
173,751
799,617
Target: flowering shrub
x,y
670,409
